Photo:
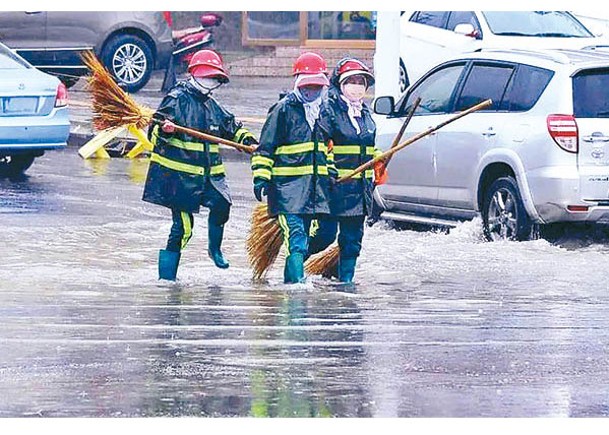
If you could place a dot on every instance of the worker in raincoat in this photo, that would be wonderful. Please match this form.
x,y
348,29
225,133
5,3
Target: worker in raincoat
x,y
186,172
292,164
352,131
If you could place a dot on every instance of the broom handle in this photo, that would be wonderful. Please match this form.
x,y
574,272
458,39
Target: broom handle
x,y
396,140
208,137
414,138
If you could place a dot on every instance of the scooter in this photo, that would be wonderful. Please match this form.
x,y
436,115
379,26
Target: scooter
x,y
186,43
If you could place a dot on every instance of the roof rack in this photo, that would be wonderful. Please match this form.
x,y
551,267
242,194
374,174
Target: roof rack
x,y
551,54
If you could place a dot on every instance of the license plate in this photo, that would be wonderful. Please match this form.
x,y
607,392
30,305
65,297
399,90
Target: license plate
x,y
20,105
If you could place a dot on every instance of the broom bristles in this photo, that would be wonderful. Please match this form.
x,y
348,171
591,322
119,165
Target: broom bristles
x,y
324,263
263,241
112,106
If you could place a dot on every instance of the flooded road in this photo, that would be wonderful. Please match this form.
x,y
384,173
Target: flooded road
x,y
440,325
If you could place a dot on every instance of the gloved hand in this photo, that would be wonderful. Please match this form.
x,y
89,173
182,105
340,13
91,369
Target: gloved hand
x,y
249,141
168,127
333,172
260,188
380,173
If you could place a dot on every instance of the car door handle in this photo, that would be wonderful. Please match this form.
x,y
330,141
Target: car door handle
x,y
489,133
597,136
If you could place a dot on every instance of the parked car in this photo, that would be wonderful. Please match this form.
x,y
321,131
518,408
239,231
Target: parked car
x,y
538,155
33,113
130,44
430,37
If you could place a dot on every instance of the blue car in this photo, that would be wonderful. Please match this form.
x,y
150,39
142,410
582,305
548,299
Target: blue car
x,y
33,113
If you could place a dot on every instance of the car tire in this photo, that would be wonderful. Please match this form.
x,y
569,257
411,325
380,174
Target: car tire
x,y
129,59
503,214
16,165
404,82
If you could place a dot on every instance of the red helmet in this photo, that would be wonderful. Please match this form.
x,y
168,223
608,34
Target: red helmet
x,y
350,67
309,63
207,63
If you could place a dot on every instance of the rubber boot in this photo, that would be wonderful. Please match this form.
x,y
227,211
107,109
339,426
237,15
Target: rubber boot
x,y
294,269
168,264
346,269
214,241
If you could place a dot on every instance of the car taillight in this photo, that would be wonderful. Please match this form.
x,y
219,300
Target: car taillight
x,y
61,99
563,130
167,16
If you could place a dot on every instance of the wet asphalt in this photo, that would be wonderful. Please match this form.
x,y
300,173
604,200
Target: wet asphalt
x,y
438,324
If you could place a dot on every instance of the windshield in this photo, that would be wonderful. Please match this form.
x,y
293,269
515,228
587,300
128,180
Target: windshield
x,y
536,23
9,60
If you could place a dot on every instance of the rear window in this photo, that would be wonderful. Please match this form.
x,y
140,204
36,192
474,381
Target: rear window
x,y
591,94
9,60
526,88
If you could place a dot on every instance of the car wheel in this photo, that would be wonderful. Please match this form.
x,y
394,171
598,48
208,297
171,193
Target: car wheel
x,y
503,213
129,60
15,165
404,82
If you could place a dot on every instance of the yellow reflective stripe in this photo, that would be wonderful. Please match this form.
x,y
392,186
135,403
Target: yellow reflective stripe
x,y
287,171
217,170
193,146
187,225
185,167
368,173
283,224
263,161
262,173
300,148
352,149
241,134
155,134
377,152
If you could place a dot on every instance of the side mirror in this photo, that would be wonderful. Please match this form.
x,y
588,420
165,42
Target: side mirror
x,y
384,105
466,29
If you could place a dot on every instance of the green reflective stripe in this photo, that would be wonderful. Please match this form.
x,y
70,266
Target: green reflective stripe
x,y
187,225
262,161
369,173
300,148
377,152
262,173
353,149
193,146
241,134
283,223
177,166
288,171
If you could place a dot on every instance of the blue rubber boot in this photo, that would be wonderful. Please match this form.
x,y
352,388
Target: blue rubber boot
x,y
346,269
168,264
294,269
214,242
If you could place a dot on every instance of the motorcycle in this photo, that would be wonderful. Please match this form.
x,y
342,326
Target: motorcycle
x,y
186,43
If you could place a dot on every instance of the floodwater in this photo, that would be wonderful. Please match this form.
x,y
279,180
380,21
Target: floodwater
x,y
438,325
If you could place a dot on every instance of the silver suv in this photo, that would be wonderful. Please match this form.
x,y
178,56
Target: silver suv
x,y
130,44
538,155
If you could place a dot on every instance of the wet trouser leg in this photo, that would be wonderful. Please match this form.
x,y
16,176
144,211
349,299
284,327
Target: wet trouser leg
x,y
219,212
323,235
295,229
179,236
351,233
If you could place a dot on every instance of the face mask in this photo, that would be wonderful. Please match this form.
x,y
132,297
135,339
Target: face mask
x,y
206,84
310,93
354,92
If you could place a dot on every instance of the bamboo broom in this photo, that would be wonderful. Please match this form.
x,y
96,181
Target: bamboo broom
x,y
392,151
113,107
263,242
325,263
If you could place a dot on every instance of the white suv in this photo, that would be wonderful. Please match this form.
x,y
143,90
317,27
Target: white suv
x,y
430,37
538,155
